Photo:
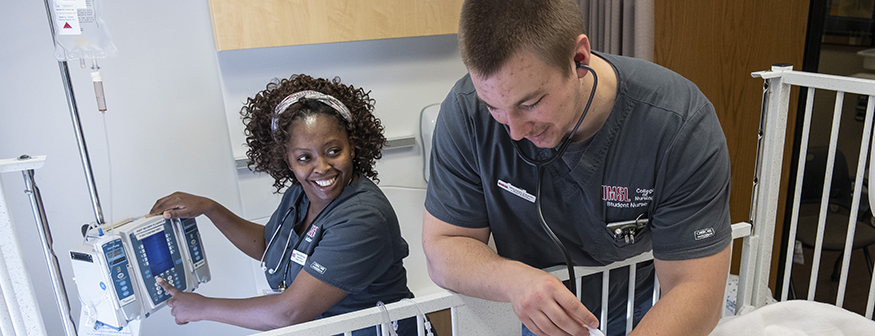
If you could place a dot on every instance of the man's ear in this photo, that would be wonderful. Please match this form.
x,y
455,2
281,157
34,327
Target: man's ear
x,y
582,55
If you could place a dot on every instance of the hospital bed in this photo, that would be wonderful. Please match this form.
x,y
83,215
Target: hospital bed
x,y
751,307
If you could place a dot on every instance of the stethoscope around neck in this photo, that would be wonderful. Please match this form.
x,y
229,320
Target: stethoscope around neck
x,y
540,164
289,240
285,249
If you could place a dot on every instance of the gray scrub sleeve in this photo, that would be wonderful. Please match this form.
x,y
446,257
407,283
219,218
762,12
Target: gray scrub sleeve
x,y
455,190
691,213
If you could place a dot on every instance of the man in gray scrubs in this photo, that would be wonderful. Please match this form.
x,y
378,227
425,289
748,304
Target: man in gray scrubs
x,y
649,147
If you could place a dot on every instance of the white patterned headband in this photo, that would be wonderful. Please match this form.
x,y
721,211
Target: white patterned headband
x,y
308,94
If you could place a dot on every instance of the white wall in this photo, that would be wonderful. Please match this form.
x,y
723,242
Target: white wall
x,y
170,97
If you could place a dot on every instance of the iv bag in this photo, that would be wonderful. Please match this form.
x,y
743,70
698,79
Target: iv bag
x,y
80,31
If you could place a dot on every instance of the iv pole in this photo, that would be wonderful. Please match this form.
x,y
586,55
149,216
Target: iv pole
x,y
77,126
42,222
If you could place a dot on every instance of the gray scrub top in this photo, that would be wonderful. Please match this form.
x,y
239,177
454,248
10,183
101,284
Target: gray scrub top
x,y
354,244
660,155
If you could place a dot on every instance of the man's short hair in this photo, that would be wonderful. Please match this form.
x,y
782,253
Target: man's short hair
x,y
491,31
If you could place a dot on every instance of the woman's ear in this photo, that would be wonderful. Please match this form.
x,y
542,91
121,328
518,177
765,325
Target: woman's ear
x,y
351,149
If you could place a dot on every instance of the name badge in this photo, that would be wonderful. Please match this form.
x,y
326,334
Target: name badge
x,y
299,257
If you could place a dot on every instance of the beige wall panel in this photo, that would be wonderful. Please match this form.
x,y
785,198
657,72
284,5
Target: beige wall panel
x,y
271,23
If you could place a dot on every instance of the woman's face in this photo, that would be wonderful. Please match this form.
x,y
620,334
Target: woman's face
x,y
320,155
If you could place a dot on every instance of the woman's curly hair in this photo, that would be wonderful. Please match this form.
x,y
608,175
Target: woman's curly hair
x,y
267,151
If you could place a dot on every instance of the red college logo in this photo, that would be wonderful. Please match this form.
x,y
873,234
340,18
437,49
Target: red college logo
x,y
615,194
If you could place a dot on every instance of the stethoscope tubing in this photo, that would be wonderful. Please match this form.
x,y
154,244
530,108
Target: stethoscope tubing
x,y
569,263
541,164
288,241
270,243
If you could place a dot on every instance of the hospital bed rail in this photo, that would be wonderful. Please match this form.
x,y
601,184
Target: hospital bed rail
x,y
473,316
778,83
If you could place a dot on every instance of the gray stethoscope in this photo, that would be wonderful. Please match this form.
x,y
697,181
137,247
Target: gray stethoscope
x,y
540,164
285,249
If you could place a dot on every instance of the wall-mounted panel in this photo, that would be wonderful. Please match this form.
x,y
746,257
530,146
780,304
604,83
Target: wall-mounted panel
x,y
272,23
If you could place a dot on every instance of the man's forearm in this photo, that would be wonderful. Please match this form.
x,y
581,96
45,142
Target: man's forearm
x,y
692,296
686,310
468,266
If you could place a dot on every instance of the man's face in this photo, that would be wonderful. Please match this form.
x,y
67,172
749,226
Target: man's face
x,y
534,100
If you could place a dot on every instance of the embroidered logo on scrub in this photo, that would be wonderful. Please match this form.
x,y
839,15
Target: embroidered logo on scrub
x,y
317,267
516,191
619,197
704,233
311,233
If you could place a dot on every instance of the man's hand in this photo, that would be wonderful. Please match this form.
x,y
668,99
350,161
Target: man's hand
x,y
546,306
459,259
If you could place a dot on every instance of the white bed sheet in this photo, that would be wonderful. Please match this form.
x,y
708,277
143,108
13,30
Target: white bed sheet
x,y
796,318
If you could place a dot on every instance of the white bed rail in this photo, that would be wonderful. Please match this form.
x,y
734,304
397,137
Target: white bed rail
x,y
776,98
473,316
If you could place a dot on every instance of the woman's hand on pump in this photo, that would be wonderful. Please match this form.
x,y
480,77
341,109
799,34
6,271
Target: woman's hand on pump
x,y
184,306
181,205
245,235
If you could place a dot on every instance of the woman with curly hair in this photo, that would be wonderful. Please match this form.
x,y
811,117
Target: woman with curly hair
x,y
333,245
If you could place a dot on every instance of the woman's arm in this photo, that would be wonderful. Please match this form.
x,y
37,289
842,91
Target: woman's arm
x,y
303,301
245,235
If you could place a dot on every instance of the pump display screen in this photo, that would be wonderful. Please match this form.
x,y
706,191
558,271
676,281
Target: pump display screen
x,y
114,253
157,252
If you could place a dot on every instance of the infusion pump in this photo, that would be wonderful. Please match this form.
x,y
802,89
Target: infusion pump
x,y
115,269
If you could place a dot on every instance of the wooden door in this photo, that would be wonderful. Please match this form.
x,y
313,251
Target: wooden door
x,y
717,44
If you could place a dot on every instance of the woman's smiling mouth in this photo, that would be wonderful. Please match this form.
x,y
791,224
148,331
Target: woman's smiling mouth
x,y
326,183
